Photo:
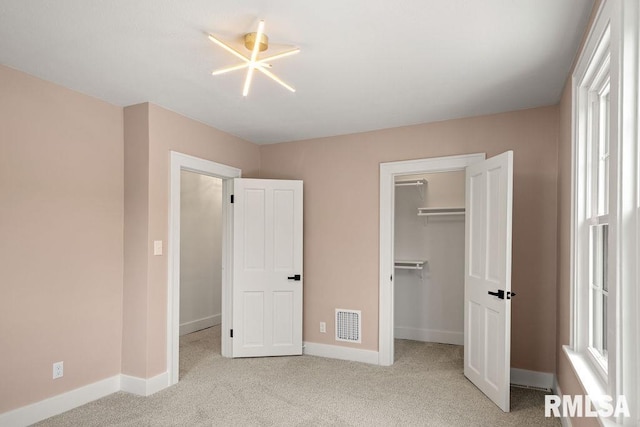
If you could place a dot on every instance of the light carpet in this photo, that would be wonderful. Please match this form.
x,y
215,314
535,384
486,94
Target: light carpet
x,y
424,387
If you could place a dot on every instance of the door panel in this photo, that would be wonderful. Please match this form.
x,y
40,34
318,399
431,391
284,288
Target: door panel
x,y
254,237
282,318
475,237
495,226
474,343
267,305
487,350
253,319
284,230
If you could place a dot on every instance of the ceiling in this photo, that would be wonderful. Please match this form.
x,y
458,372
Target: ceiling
x,y
364,64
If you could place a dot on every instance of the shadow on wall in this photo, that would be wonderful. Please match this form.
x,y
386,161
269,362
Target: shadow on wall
x,y
200,251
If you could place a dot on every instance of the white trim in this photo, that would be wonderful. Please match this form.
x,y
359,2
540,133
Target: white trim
x,y
429,335
69,400
621,20
598,37
388,172
532,378
600,31
178,163
339,352
142,386
591,383
226,348
199,324
55,405
593,39
566,421
627,221
598,47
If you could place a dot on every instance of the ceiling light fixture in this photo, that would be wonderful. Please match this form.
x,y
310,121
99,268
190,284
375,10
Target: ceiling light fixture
x,y
256,42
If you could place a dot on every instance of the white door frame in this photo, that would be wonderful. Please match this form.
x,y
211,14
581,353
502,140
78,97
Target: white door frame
x,y
388,172
182,162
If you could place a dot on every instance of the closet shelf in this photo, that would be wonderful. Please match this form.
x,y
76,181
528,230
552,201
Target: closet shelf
x,y
409,264
419,185
440,211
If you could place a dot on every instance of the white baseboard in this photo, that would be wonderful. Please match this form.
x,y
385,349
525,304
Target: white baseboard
x,y
38,411
566,421
199,324
556,386
142,386
532,378
429,335
55,405
342,353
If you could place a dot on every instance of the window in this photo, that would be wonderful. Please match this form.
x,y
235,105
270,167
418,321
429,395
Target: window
x,y
606,218
592,187
597,119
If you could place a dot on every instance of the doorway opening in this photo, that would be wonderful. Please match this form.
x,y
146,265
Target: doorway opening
x,y
389,174
200,258
488,195
429,242
181,163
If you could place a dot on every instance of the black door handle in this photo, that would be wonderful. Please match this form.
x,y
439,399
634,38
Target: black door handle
x,y
500,294
295,277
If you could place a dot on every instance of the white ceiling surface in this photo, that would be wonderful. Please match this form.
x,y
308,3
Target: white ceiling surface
x,y
364,64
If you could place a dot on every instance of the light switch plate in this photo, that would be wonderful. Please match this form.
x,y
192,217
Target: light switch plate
x,y
157,247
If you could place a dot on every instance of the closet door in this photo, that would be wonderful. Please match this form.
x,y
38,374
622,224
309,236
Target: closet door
x,y
487,288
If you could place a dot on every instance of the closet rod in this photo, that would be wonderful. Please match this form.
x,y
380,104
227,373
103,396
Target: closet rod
x,y
411,182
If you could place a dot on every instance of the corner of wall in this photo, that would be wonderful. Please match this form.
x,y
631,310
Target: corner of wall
x,y
136,213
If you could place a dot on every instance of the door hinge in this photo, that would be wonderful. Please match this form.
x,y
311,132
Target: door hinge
x,y
391,278
231,333
232,198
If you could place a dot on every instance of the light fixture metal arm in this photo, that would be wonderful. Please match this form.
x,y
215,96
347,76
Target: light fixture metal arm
x,y
228,48
274,77
252,63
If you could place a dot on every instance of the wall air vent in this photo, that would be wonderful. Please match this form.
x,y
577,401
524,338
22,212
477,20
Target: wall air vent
x,y
348,326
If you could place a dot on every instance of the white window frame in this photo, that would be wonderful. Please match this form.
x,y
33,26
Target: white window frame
x,y
594,85
615,32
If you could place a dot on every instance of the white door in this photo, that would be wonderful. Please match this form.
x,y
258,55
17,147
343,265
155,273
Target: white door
x,y
267,268
487,288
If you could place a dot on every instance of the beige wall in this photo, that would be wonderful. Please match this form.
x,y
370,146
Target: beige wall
x,y
64,161
61,219
341,176
144,350
136,216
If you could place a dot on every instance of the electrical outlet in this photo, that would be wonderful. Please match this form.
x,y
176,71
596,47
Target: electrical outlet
x,y
323,327
58,370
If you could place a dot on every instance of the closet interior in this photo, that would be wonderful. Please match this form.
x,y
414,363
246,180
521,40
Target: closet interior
x,y
429,247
